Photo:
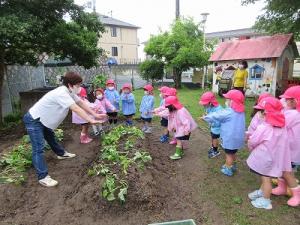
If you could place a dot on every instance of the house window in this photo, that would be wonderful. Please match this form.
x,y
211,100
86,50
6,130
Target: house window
x,y
114,51
256,72
113,31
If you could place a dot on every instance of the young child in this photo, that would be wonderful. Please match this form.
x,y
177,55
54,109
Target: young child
x,y
210,103
146,108
84,137
232,132
181,122
269,146
163,112
172,92
101,105
292,115
113,96
256,118
128,104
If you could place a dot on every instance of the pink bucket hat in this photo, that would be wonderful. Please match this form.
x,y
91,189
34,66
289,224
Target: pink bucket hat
x,y
163,89
273,110
237,99
127,85
110,81
148,87
208,97
82,92
263,95
293,92
171,92
173,100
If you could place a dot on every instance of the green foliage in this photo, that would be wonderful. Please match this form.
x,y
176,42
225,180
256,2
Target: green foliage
x,y
280,16
114,163
14,164
29,28
12,118
99,81
152,69
181,48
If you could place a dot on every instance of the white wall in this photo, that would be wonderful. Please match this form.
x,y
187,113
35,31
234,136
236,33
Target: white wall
x,y
256,87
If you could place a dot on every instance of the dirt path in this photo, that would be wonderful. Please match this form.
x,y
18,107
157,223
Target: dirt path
x,y
165,191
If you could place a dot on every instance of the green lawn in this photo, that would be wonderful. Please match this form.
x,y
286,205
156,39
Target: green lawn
x,y
229,195
190,99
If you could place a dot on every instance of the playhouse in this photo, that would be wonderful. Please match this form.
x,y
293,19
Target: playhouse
x,y
270,63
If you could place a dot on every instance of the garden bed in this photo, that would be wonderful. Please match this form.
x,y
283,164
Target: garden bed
x,y
191,188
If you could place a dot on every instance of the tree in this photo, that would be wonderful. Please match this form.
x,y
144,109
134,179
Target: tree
x,y
280,16
152,69
30,27
181,48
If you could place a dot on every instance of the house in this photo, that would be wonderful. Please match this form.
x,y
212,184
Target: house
x,y
230,35
120,40
270,62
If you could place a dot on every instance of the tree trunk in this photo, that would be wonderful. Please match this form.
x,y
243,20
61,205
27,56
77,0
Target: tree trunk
x,y
2,71
177,78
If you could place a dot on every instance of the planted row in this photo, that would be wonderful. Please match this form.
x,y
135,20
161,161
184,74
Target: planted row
x,y
120,152
14,164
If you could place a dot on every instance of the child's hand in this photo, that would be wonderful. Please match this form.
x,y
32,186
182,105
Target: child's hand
x,y
186,133
146,113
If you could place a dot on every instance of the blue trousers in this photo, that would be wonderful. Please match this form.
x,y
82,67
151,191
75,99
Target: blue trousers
x,y
38,133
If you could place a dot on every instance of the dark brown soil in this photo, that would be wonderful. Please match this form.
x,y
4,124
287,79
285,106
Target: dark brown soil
x,y
165,191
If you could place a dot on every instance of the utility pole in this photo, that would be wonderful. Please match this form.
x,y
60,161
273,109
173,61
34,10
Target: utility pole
x,y
94,6
177,13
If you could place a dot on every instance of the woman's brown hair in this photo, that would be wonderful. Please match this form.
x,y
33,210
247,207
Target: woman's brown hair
x,y
71,78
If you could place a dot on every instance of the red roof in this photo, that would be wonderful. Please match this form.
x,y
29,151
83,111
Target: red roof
x,y
259,48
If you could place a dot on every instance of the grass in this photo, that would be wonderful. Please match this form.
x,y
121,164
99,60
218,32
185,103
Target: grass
x,y
229,194
190,99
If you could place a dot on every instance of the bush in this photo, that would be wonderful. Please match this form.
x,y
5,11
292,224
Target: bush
x,y
99,81
13,118
152,69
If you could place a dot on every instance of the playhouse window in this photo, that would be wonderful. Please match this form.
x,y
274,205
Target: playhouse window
x,y
256,72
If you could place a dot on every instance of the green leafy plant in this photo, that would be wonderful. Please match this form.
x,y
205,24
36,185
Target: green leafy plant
x,y
118,154
14,164
99,81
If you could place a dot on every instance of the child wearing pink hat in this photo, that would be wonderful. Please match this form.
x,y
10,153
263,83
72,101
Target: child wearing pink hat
x,y
146,108
128,103
232,133
256,118
163,112
101,106
112,95
84,137
292,115
181,122
210,103
269,155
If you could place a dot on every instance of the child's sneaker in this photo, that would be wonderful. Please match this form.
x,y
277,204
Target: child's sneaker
x,y
173,141
234,167
148,130
210,151
262,203
164,138
84,139
213,154
227,171
255,194
144,128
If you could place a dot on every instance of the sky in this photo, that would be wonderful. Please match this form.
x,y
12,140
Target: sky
x,y
152,15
